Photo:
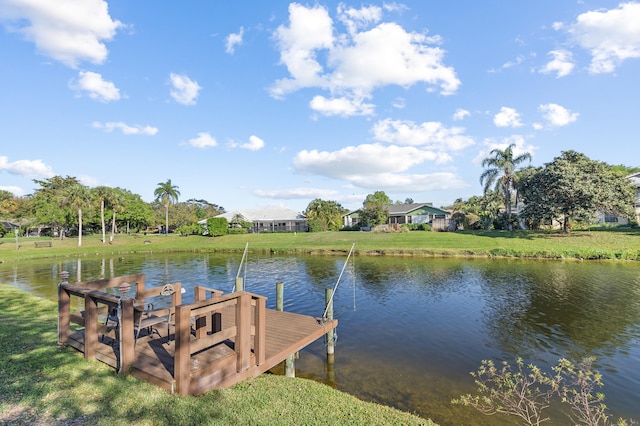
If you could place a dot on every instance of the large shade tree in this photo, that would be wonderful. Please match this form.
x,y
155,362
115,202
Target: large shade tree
x,y
166,193
50,206
500,172
573,187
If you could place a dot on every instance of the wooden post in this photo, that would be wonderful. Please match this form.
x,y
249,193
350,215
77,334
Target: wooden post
x,y
243,333
127,335
182,360
239,284
259,343
289,362
90,326
329,310
64,311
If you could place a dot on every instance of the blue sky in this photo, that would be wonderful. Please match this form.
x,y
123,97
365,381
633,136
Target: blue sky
x,y
265,104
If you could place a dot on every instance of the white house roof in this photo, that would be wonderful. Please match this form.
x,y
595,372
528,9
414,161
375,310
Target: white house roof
x,y
257,215
635,178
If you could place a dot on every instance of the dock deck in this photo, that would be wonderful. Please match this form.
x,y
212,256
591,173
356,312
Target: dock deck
x,y
214,342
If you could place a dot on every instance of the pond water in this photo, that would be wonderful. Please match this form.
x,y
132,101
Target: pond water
x,y
411,329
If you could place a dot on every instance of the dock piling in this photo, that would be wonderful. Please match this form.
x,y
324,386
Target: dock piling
x,y
289,362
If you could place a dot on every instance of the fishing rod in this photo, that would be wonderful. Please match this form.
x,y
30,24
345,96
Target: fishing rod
x,y
324,315
244,256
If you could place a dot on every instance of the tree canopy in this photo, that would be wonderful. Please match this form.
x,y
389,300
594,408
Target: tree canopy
x,y
374,208
574,188
324,215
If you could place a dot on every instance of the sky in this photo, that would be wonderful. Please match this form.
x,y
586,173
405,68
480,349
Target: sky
x,y
271,104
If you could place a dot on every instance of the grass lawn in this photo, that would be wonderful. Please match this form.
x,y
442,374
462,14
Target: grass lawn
x,y
618,244
43,384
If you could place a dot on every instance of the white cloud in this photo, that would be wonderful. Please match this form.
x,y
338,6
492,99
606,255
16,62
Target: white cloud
x,y
359,61
125,128
367,159
460,114
431,135
203,140
355,19
521,147
68,31
184,90
376,166
416,182
254,144
561,64
233,40
557,115
297,193
344,107
611,36
399,103
395,7
95,87
15,190
26,168
507,117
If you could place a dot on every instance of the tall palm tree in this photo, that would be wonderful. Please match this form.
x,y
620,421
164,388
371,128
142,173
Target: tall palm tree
x,y
116,201
102,193
77,197
166,193
501,170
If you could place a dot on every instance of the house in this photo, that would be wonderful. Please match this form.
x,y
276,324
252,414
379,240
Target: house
x,y
402,213
635,181
271,220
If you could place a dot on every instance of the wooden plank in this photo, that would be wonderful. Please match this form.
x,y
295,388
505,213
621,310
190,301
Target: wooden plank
x,y
200,344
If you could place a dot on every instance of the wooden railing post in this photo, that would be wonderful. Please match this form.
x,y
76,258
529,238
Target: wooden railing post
x,y
90,326
243,337
289,362
127,335
259,342
182,361
64,311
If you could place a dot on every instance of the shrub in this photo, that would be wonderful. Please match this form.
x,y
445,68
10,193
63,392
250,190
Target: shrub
x,y
527,392
195,229
217,226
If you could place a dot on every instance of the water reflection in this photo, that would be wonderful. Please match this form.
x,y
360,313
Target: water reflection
x,y
411,329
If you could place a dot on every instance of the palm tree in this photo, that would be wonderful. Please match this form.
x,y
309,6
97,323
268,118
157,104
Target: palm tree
x,y
77,196
102,193
166,193
501,171
117,206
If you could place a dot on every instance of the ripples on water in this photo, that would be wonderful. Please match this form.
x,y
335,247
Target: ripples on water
x,y
411,329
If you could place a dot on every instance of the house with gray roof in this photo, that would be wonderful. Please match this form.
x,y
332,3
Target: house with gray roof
x,y
416,213
268,220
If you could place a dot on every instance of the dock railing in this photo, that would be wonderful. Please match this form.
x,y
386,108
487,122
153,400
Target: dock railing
x,y
98,302
247,332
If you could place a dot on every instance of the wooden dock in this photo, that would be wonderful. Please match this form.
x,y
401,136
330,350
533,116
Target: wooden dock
x,y
214,342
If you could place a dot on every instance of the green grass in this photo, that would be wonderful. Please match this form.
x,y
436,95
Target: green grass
x,y
45,384
613,244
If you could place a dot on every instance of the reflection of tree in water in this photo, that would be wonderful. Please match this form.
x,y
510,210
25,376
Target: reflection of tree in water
x,y
567,309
